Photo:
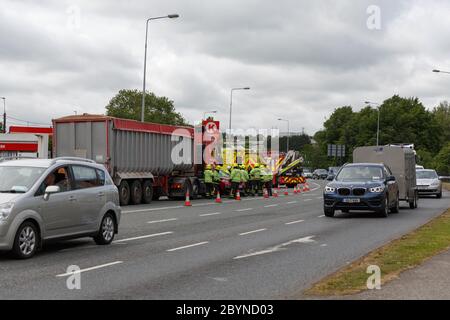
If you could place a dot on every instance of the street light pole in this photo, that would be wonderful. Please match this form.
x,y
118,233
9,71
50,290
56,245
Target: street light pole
x,y
231,101
170,16
289,132
378,122
4,114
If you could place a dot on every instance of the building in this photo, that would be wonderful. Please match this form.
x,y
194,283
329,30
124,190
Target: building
x,y
25,141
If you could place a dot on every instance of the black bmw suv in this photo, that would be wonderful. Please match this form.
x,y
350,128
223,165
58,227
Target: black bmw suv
x,y
362,186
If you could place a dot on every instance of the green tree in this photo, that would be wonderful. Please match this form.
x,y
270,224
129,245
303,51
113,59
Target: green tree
x,y
442,160
296,142
127,104
442,117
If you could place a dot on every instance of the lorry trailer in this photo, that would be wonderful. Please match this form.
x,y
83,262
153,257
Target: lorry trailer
x,y
138,155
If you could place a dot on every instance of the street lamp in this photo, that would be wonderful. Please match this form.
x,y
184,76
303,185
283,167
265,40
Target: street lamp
x,y
4,114
440,71
205,113
170,16
231,100
289,132
378,122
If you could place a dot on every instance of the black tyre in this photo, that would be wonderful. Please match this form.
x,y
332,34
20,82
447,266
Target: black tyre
x,y
396,208
106,232
147,192
413,203
329,212
124,193
439,195
136,192
26,241
385,211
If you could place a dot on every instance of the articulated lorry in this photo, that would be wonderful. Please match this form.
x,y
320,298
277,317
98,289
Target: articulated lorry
x,y
138,155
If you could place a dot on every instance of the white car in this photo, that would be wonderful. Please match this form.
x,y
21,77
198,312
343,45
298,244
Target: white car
x,y
428,182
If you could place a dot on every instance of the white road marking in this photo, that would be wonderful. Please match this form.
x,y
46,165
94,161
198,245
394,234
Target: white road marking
x,y
90,269
319,198
144,237
271,205
294,222
165,220
308,199
153,209
210,214
322,216
292,202
242,210
276,248
250,232
324,245
188,246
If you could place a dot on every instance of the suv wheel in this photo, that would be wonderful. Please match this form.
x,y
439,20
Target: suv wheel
x,y
107,230
439,195
396,208
385,211
136,192
26,241
124,193
329,212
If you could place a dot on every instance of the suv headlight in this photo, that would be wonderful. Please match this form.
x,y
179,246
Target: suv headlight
x,y
435,183
330,189
379,189
5,210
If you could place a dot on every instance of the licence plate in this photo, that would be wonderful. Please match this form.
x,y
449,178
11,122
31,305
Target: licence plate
x,y
352,200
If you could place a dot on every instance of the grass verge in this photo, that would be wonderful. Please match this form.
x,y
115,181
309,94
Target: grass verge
x,y
399,255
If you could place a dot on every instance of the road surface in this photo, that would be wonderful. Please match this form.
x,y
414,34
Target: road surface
x,y
251,249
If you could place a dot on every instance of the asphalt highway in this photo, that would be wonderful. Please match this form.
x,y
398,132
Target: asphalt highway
x,y
251,249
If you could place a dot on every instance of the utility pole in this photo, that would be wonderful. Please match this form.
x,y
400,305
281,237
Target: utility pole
x,y
4,114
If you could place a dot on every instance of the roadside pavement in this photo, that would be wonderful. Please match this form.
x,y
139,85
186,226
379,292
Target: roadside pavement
x,y
429,281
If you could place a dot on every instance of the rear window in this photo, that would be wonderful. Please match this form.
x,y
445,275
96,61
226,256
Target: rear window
x,y
85,177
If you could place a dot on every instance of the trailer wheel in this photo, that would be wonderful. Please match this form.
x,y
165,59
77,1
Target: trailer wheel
x,y
136,192
124,193
147,192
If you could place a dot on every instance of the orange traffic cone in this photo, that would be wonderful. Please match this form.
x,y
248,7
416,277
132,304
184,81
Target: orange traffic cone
x,y
275,193
238,195
304,188
307,186
266,193
187,202
299,188
218,198
295,189
286,191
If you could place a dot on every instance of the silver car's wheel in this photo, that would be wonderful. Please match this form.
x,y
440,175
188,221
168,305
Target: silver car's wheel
x,y
107,230
26,241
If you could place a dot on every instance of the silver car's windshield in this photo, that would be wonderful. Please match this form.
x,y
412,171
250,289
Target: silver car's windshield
x,y
426,175
363,173
18,179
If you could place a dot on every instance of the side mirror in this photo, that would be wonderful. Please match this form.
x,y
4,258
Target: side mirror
x,y
391,179
51,190
330,177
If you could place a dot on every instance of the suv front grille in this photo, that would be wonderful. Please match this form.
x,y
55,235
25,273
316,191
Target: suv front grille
x,y
344,191
359,191
347,192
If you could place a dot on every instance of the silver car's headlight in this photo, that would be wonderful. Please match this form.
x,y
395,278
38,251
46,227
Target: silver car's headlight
x,y
379,189
330,189
5,210
435,183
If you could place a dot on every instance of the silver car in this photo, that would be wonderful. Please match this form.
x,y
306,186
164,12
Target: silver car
x,y
48,199
428,183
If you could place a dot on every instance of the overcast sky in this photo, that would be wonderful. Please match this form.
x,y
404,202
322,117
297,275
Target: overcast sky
x,y
301,59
